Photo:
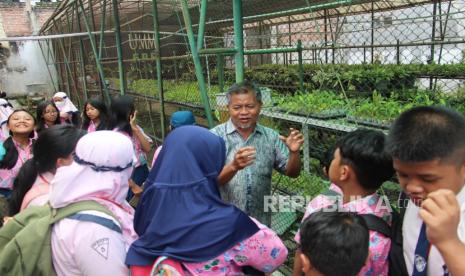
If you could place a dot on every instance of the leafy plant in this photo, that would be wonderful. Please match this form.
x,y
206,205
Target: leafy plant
x,y
386,109
329,79
457,100
305,185
187,92
378,107
317,102
357,77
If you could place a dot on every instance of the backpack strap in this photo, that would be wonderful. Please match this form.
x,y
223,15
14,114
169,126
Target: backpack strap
x,y
330,193
251,271
373,222
398,220
87,205
377,224
108,223
403,199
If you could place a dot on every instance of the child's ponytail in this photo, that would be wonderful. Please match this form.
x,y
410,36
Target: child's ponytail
x,y
23,182
11,155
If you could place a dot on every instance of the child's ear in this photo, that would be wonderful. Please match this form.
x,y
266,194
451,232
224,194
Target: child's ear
x,y
325,171
462,172
64,161
306,265
345,172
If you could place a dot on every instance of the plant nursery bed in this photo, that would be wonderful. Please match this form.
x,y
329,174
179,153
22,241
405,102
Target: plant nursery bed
x,y
325,115
369,122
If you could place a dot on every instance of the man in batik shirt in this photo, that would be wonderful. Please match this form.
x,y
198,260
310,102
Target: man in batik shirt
x,y
252,152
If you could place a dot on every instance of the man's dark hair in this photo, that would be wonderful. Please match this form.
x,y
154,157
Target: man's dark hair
x,y
244,88
364,151
426,133
336,243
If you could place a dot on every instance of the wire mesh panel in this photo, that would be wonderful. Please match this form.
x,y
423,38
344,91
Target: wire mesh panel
x,y
360,56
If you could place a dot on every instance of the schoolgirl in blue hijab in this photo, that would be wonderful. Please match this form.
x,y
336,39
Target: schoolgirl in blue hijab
x,y
181,214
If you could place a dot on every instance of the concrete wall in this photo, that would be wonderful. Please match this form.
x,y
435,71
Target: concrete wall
x,y
23,69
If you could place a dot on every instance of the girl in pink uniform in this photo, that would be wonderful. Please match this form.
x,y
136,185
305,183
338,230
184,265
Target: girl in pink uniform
x,y
52,150
69,114
17,149
102,165
94,115
123,120
47,115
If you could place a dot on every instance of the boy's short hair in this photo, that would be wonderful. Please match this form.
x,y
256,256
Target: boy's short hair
x,y
243,88
364,151
336,243
426,133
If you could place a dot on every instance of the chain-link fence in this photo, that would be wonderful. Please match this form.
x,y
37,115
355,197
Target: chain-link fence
x,y
360,54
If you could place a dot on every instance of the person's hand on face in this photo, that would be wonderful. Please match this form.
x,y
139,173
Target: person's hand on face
x,y
441,213
133,120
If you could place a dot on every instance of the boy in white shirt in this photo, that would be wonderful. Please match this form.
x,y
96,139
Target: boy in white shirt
x,y
428,149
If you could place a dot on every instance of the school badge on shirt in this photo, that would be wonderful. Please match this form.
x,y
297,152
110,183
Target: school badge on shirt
x,y
420,263
101,247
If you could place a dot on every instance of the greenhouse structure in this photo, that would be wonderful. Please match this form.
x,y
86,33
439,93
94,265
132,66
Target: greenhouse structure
x,y
325,67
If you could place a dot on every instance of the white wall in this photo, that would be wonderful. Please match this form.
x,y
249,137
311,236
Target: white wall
x,y
26,71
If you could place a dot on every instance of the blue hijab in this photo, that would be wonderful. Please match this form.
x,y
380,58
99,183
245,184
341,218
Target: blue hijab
x,y
181,214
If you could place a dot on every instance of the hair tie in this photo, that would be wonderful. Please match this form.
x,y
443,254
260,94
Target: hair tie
x,y
98,168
